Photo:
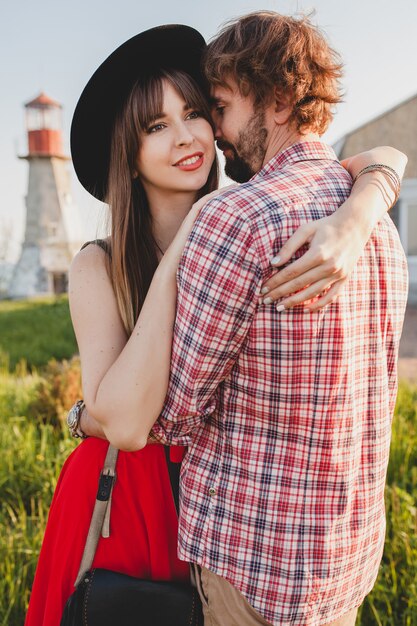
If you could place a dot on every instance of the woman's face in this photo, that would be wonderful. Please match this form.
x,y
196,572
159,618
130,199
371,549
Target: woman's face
x,y
177,149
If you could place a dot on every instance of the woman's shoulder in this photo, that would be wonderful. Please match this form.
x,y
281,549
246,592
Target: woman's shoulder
x,y
92,259
89,280
104,244
94,249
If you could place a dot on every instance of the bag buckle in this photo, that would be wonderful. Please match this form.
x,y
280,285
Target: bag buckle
x,y
105,484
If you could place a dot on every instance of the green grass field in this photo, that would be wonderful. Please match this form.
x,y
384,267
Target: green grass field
x,y
36,331
34,445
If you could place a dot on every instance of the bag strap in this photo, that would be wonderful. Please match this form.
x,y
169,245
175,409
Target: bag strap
x,y
174,477
99,519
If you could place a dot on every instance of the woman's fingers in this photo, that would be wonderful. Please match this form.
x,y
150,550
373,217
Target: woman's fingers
x,y
311,296
299,238
333,249
300,276
295,299
307,270
330,296
289,287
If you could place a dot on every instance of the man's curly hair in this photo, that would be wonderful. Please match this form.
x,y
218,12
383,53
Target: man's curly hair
x,y
268,54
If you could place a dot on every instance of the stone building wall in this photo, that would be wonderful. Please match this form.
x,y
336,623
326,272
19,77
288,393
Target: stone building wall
x,y
397,127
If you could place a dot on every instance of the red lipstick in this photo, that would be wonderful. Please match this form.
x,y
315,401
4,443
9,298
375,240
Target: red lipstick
x,y
190,162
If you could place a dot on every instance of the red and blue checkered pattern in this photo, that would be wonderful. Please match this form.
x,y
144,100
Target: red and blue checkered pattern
x,y
287,415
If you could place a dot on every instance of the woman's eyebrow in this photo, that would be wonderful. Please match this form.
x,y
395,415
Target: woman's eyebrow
x,y
157,116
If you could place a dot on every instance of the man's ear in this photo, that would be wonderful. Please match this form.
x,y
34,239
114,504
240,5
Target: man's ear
x,y
282,106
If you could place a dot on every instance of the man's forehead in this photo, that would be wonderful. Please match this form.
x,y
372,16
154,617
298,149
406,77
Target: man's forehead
x,y
224,91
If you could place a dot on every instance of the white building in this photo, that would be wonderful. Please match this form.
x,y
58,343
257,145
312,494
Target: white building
x,y
53,231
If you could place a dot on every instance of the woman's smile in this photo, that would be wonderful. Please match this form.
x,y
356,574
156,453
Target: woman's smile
x,y
191,162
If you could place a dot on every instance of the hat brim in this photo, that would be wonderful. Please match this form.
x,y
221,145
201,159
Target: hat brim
x,y
172,46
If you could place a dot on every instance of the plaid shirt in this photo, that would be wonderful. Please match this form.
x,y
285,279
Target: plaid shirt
x,y
287,415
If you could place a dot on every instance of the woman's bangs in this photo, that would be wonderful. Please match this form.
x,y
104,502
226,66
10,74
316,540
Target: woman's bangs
x,y
189,91
150,100
147,97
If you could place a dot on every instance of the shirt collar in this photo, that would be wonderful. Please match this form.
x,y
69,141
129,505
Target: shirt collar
x,y
301,151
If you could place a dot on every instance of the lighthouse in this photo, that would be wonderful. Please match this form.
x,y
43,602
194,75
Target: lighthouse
x,y
53,231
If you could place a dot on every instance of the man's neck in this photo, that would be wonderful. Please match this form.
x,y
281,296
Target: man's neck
x,y
282,137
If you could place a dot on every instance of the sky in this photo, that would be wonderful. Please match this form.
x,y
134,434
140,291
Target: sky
x,y
56,45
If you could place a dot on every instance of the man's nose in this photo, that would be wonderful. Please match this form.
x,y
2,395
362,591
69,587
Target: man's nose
x,y
217,125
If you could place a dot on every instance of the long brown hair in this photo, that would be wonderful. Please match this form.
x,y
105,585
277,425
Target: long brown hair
x,y
133,259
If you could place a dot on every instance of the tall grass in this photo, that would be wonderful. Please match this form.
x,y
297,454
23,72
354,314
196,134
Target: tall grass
x,y
393,601
32,455
34,445
33,452
36,331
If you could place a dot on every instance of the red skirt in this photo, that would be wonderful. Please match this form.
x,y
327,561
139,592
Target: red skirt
x,y
143,525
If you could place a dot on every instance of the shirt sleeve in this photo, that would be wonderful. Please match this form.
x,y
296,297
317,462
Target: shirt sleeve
x,y
219,280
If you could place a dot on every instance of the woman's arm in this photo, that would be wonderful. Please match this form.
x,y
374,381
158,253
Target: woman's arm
x,y
92,428
336,242
119,373
125,379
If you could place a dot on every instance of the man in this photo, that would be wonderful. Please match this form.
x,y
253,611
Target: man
x,y
286,412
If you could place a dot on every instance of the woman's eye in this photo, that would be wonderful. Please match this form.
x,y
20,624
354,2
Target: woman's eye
x,y
155,128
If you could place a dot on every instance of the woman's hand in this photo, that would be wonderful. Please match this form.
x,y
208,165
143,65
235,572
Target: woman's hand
x,y
335,247
335,242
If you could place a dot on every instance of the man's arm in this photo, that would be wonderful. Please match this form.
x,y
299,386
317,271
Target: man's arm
x,y
337,241
218,289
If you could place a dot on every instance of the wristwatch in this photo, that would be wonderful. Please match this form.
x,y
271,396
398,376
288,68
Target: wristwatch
x,y
73,420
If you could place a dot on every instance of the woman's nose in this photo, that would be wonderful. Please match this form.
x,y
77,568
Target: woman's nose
x,y
184,135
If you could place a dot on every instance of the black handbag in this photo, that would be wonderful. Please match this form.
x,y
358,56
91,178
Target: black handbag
x,y
106,598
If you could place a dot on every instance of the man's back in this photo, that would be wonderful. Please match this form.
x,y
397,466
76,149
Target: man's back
x,y
282,489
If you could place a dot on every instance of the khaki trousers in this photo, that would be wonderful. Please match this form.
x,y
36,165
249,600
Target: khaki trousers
x,y
223,605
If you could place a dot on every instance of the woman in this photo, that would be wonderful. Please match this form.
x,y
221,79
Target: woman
x,y
142,138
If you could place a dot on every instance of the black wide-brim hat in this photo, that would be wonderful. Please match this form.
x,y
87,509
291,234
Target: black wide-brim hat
x,y
172,46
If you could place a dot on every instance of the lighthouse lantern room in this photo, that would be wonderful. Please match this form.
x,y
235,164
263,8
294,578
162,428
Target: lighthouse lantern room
x,y
43,124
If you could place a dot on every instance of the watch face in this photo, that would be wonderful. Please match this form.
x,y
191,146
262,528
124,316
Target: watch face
x,y
72,417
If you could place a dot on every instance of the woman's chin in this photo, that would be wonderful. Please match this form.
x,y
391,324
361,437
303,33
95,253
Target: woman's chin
x,y
195,182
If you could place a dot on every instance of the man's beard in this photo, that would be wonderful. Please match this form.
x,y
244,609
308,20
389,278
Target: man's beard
x,y
249,150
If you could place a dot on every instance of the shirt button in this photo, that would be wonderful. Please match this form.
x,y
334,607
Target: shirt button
x,y
212,492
